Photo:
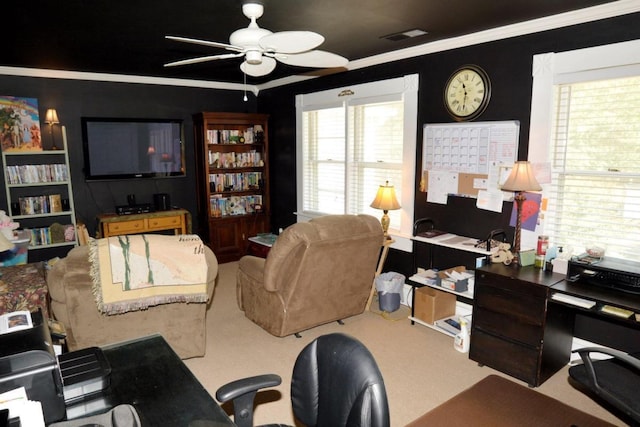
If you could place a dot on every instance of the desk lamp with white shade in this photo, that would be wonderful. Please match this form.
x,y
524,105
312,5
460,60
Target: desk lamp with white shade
x,y
520,180
385,201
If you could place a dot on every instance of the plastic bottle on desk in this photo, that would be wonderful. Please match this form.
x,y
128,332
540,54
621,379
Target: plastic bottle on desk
x,y
461,340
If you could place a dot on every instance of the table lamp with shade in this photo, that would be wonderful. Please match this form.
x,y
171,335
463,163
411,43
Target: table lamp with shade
x,y
386,201
51,118
520,180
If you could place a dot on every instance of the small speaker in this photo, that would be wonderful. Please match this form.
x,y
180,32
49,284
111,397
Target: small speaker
x,y
162,201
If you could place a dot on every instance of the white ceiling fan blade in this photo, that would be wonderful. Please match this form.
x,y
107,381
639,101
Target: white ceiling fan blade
x,y
205,43
257,70
291,41
203,59
314,59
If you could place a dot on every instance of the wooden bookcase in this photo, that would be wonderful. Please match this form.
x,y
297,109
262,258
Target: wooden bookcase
x,y
233,180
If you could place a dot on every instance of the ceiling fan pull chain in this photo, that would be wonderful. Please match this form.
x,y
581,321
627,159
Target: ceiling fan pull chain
x,y
245,87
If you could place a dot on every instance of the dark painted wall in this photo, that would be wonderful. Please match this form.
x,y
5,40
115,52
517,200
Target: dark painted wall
x,y
509,65
74,99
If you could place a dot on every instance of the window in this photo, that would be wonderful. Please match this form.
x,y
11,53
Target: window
x,y
592,149
595,164
352,140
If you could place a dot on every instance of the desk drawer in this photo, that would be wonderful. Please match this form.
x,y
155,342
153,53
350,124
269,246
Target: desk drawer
x,y
524,308
123,227
511,284
505,326
508,357
164,222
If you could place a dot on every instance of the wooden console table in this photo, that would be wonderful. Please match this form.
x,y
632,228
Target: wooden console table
x,y
112,224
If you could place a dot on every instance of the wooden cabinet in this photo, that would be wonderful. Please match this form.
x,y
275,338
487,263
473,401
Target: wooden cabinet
x,y
40,197
233,180
514,329
178,220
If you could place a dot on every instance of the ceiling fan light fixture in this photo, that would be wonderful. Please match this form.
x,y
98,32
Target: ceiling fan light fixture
x,y
248,37
254,57
261,47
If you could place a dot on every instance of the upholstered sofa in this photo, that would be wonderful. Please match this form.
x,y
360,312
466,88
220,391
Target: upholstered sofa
x,y
316,272
73,304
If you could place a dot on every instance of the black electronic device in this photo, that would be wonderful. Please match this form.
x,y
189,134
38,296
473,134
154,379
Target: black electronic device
x,y
120,148
135,209
613,273
27,360
85,373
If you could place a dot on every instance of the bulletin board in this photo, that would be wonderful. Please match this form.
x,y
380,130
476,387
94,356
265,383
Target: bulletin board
x,y
463,158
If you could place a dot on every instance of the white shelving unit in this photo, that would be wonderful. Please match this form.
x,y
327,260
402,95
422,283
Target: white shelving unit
x,y
462,308
41,188
461,243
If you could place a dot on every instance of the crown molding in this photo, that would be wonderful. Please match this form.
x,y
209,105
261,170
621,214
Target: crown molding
x,y
595,13
123,78
581,16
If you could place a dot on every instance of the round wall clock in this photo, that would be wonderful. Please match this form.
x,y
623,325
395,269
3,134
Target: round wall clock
x,y
467,92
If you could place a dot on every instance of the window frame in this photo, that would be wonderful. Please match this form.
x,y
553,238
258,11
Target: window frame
x,y
407,87
551,69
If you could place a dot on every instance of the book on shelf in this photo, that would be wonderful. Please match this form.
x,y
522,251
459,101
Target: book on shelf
x,y
55,203
429,234
15,321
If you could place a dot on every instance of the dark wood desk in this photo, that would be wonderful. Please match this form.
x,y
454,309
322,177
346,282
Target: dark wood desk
x,y
147,374
514,330
519,329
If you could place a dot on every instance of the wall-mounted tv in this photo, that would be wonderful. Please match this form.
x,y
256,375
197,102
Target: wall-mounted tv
x,y
120,148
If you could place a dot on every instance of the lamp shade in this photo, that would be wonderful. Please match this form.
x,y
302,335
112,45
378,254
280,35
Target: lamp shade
x,y
51,117
521,178
386,198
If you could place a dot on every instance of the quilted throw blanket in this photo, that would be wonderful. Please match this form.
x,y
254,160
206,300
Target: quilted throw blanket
x,y
134,272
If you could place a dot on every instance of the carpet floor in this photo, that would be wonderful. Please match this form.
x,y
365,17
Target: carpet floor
x,y
420,366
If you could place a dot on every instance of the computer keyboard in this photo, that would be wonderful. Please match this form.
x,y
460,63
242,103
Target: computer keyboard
x,y
573,300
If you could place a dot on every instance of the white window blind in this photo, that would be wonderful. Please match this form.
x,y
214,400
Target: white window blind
x,y
594,197
348,152
352,141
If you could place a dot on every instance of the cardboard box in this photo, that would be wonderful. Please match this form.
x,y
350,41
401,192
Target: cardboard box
x,y
454,285
431,304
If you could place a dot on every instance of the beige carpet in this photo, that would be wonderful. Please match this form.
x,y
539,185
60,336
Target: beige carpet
x,y
420,366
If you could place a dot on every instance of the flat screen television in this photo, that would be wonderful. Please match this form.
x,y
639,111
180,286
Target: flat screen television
x,y
120,148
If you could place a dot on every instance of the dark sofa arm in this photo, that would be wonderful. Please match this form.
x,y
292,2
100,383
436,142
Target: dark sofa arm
x,y
242,392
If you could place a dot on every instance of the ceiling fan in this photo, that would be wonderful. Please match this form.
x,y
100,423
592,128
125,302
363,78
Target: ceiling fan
x,y
261,48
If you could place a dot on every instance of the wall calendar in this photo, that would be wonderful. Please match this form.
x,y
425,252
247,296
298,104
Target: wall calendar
x,y
463,158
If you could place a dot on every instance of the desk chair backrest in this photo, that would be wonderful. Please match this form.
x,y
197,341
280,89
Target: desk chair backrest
x,y
336,382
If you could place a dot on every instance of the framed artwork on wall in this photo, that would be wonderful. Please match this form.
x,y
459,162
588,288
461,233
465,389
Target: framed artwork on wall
x,y
19,124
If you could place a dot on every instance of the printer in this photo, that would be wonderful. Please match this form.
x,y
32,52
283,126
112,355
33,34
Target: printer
x,y
27,360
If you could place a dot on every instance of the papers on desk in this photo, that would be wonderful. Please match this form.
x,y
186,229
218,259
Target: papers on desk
x,y
468,244
19,406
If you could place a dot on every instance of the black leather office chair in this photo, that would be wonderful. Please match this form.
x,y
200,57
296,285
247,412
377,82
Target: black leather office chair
x,y
336,382
616,381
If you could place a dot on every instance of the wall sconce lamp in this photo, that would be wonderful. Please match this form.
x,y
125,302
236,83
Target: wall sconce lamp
x,y
385,200
51,118
520,180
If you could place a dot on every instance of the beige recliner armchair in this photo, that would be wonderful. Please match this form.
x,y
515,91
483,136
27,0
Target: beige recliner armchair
x,y
72,302
316,272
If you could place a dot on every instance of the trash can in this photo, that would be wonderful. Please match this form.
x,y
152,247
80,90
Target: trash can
x,y
389,287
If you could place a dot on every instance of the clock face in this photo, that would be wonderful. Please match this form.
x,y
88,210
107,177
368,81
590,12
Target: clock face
x,y
467,93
